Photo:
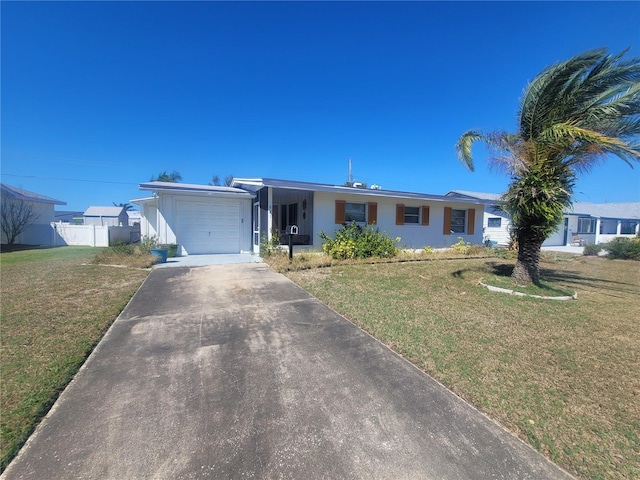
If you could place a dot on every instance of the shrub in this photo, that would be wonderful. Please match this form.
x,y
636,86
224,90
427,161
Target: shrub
x,y
592,249
147,243
356,241
461,247
122,248
623,248
268,248
427,249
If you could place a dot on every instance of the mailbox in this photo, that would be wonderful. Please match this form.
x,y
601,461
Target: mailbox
x,y
292,230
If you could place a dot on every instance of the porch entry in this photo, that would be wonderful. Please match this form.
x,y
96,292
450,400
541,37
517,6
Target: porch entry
x,y
256,228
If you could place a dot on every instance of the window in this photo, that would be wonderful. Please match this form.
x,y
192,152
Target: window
x,y
586,225
458,219
628,228
494,222
288,215
412,215
355,212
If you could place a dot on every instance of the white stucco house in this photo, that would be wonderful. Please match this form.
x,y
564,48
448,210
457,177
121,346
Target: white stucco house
x,y
40,232
585,223
212,219
106,216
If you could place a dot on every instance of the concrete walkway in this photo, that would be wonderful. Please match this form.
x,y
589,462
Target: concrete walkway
x,y
232,371
213,259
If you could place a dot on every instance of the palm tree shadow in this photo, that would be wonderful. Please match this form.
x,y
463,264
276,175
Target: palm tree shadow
x,y
571,279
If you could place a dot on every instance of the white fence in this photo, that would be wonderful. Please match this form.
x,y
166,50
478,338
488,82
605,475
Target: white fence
x,y
93,235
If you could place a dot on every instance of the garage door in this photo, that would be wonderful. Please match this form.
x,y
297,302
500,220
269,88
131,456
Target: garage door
x,y
209,227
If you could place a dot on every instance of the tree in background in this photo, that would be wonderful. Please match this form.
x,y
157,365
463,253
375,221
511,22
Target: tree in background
x,y
173,177
572,115
127,206
16,216
215,180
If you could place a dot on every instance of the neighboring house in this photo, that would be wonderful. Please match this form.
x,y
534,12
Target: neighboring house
x,y
106,216
67,216
40,232
495,222
588,223
134,217
208,219
584,223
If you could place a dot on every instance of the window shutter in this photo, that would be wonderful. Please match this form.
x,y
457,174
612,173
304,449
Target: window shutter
x,y
399,214
446,229
372,214
425,216
471,218
340,211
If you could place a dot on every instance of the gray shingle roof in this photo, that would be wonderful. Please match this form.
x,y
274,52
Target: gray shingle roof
x,y
103,211
20,194
628,210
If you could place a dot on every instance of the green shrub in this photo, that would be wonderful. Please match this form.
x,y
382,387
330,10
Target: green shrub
x,y
427,249
122,248
592,249
461,247
623,248
269,248
356,241
147,243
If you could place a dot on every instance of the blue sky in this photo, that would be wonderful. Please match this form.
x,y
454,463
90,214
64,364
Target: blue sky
x,y
99,96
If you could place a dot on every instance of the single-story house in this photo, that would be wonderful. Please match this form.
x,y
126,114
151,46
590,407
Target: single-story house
x,y
39,233
69,216
212,219
584,223
106,216
134,217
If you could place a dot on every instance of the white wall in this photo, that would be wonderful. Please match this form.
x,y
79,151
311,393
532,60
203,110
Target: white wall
x,y
411,236
40,232
496,234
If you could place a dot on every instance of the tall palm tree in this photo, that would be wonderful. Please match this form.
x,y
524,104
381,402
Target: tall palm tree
x,y
572,115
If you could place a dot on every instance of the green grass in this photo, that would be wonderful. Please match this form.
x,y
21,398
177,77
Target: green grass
x,y
563,376
56,306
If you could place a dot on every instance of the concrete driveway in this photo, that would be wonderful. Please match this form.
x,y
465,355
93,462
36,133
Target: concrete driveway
x,y
232,371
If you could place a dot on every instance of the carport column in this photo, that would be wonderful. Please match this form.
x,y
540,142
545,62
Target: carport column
x,y
269,212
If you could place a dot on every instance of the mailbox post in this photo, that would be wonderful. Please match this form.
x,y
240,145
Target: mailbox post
x,y
291,231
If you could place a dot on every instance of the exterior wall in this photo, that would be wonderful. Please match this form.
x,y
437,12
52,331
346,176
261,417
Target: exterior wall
x,y
40,232
500,235
411,236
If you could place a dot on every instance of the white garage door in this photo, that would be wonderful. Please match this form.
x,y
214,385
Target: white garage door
x,y
209,227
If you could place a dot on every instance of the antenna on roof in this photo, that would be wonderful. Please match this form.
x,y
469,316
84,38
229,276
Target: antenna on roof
x,y
350,180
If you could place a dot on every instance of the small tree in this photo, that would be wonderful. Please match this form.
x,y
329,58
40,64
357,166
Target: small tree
x,y
215,180
173,177
16,217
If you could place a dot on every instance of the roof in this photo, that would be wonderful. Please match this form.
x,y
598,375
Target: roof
x,y
495,197
193,188
103,211
255,184
627,210
20,194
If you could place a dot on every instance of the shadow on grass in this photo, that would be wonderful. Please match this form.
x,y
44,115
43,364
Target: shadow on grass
x,y
569,278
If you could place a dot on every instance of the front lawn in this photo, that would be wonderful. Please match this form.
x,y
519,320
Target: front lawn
x,y
562,375
56,306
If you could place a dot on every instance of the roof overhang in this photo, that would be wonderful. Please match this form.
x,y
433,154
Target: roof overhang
x,y
194,189
257,183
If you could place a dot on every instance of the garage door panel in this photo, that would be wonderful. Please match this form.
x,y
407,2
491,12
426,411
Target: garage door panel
x,y
209,227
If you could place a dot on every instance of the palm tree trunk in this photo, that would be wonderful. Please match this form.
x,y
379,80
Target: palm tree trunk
x,y
527,269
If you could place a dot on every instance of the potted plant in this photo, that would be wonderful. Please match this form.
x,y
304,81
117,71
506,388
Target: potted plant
x,y
151,245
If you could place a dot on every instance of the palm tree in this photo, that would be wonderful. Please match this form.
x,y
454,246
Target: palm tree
x,y
127,206
173,177
572,115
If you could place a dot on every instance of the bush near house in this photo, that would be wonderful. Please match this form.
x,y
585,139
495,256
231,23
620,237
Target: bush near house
x,y
623,248
356,241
